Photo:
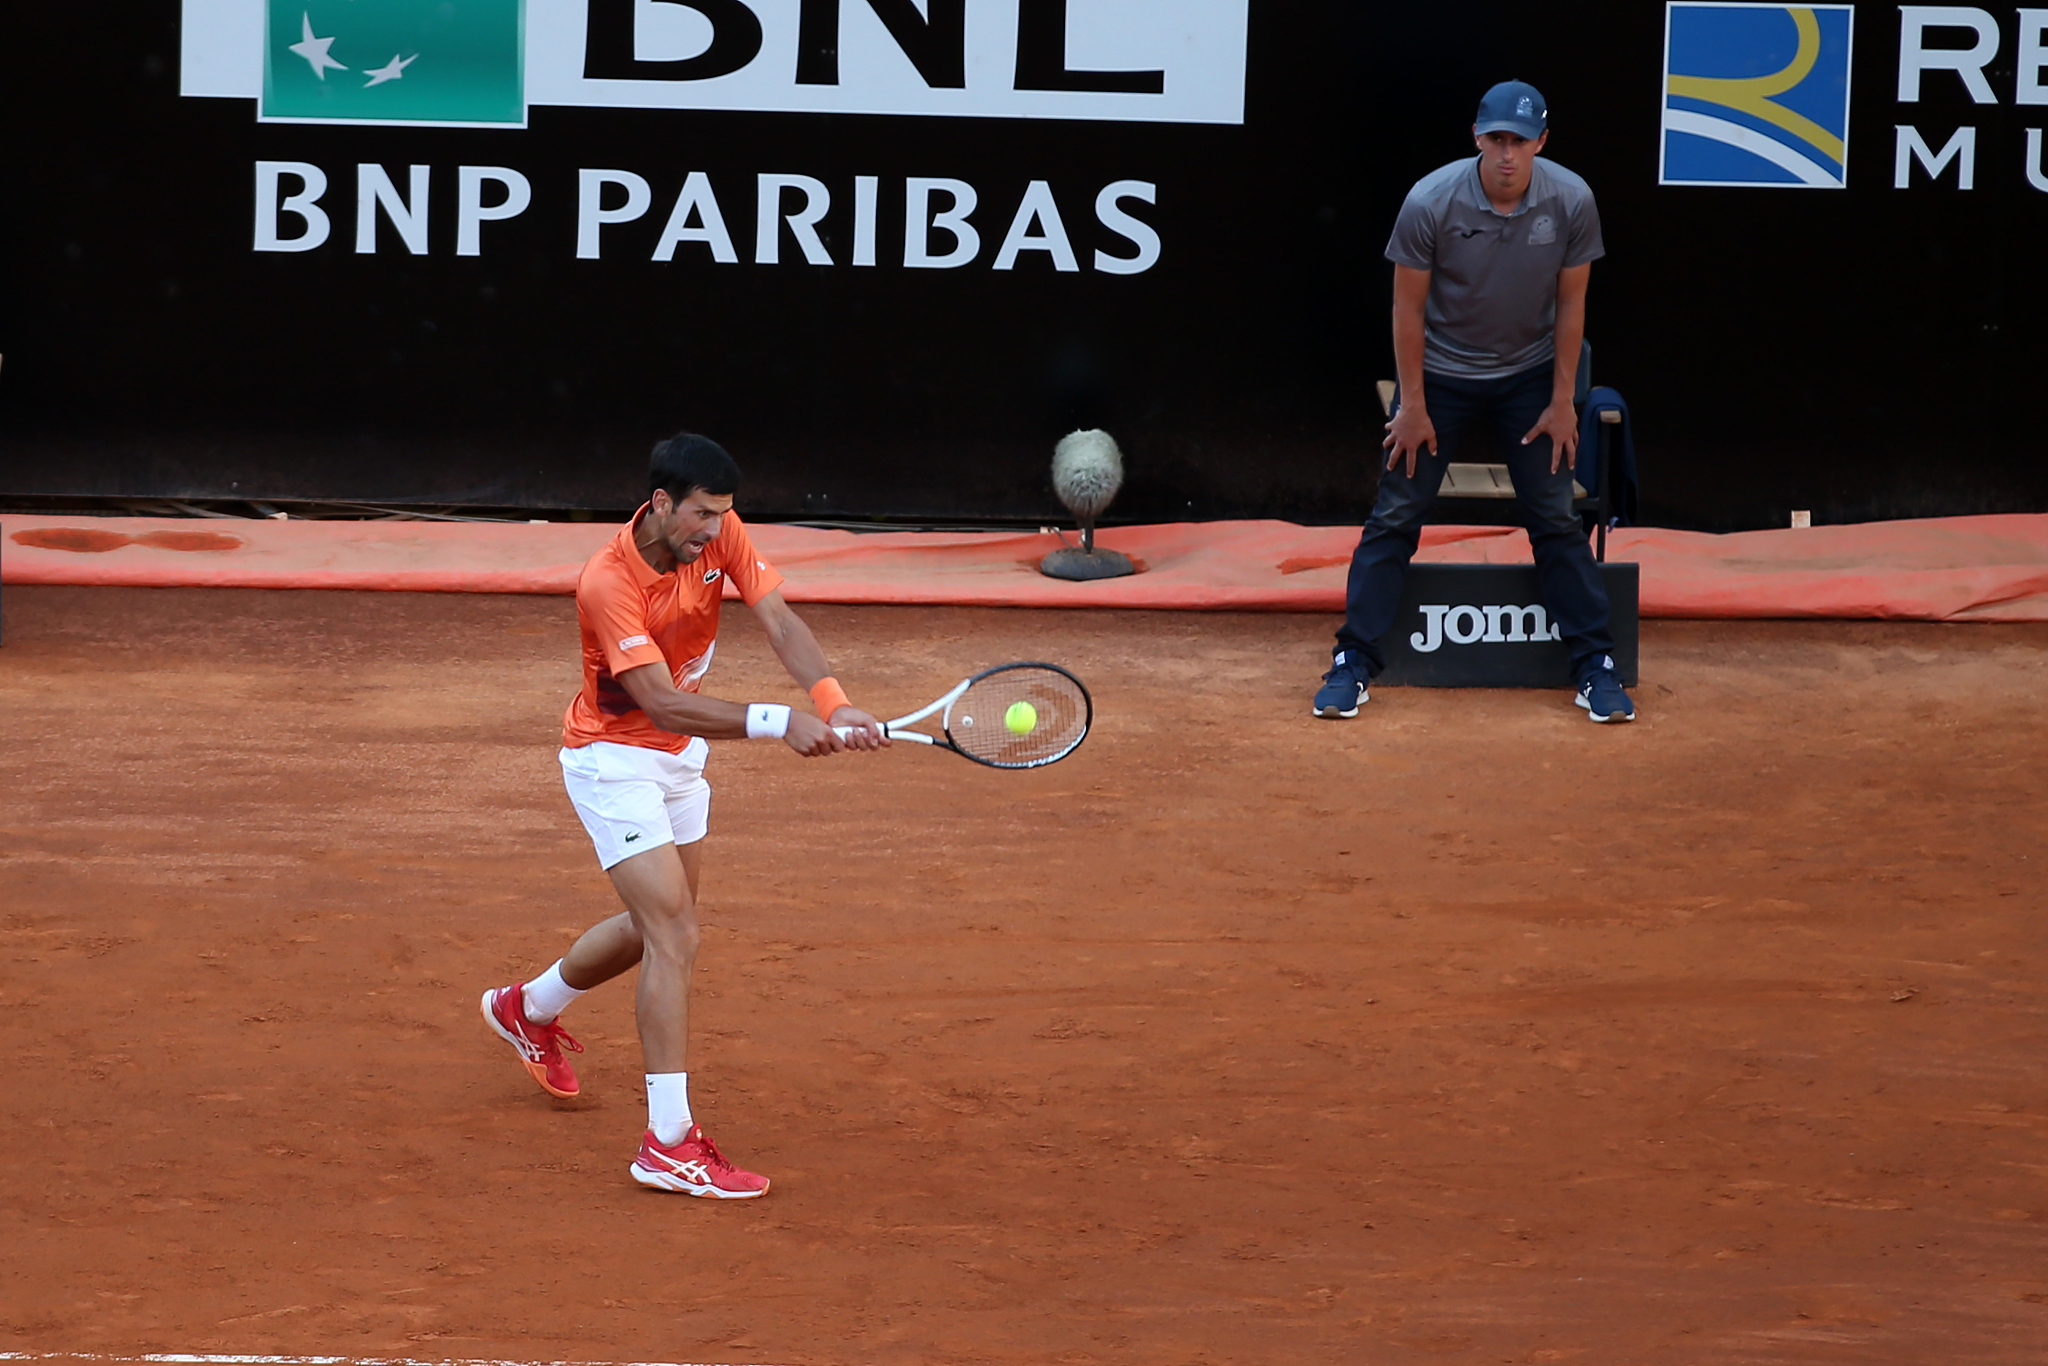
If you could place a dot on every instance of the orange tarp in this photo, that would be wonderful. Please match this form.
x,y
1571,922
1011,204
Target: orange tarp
x,y
1949,569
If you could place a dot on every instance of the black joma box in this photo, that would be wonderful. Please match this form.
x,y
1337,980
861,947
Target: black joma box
x,y
1486,626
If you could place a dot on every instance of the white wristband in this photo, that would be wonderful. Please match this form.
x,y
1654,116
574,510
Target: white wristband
x,y
767,721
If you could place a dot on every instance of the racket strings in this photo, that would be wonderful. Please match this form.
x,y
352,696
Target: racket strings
x,y
979,719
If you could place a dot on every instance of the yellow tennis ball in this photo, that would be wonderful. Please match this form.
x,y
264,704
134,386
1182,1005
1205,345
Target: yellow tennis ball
x,y
1021,718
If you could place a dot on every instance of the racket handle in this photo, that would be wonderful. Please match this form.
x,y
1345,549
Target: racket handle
x,y
915,737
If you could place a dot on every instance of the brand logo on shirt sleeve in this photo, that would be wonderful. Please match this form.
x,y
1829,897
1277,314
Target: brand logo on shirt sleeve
x,y
634,642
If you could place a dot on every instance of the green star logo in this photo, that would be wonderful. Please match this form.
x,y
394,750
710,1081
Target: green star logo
x,y
448,62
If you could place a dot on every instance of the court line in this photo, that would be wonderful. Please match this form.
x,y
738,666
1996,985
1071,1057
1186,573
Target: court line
x,y
212,1359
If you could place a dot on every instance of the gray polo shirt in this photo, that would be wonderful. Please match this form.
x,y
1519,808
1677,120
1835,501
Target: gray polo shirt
x,y
1492,307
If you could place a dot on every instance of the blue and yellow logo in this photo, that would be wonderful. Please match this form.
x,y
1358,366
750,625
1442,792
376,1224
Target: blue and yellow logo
x,y
1756,94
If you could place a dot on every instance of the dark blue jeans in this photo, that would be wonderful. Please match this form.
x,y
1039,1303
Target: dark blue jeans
x,y
1461,410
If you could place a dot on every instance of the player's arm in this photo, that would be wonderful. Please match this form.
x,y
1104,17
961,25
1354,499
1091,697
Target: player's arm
x,y
688,713
1560,421
805,660
1410,430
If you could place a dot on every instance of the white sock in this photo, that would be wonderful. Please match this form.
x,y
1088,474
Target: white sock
x,y
547,995
668,1106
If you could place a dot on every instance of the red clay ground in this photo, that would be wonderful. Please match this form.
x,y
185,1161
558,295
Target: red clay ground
x,y
1462,1032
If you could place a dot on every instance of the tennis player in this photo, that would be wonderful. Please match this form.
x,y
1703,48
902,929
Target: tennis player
x,y
633,751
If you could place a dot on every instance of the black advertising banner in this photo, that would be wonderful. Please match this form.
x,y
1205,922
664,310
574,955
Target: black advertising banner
x,y
889,251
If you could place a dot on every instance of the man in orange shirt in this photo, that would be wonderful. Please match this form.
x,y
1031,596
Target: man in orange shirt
x,y
632,758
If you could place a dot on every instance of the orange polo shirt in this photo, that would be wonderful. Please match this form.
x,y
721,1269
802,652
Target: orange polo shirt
x,y
631,616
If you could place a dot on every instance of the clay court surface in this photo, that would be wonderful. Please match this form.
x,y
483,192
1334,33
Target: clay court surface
x,y
1462,1032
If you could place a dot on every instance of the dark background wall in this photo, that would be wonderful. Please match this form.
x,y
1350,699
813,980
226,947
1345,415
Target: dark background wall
x,y
1865,353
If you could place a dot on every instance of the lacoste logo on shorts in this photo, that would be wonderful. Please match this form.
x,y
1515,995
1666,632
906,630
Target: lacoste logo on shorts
x,y
711,576
634,642
634,836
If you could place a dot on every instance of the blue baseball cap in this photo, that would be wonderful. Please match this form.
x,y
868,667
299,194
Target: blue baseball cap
x,y
1513,107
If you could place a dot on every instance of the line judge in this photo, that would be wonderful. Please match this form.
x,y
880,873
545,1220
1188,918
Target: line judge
x,y
1491,257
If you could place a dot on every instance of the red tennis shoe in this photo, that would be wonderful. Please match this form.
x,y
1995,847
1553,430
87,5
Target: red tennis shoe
x,y
694,1166
539,1045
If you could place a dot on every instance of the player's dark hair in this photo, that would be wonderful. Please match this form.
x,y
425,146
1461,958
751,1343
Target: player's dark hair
x,y
687,462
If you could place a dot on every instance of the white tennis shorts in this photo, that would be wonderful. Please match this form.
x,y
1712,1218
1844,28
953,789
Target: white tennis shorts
x,y
632,799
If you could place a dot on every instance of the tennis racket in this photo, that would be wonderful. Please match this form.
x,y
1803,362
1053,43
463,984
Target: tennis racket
x,y
1012,716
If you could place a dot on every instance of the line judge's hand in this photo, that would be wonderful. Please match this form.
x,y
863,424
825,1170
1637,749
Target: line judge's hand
x,y
1560,422
810,737
1409,431
867,731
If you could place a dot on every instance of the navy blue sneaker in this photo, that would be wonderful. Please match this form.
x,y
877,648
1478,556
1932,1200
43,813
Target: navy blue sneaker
x,y
1602,696
1343,690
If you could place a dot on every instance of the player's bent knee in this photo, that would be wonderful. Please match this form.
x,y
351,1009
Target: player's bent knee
x,y
679,947
670,931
